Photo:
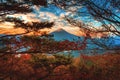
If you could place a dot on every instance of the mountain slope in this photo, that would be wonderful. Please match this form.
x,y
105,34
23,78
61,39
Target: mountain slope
x,y
61,34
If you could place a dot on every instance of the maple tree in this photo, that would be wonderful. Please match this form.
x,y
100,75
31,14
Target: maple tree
x,y
20,58
19,53
43,67
14,46
15,43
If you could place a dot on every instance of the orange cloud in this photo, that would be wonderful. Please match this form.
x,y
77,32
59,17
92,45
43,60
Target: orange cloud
x,y
7,28
11,31
6,25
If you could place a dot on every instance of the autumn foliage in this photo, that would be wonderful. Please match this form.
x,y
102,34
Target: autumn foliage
x,y
60,67
39,44
33,57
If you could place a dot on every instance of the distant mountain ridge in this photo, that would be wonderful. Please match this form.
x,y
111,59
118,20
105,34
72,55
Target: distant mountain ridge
x,y
62,34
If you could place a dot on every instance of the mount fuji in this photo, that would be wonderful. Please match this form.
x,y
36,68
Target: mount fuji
x,y
61,34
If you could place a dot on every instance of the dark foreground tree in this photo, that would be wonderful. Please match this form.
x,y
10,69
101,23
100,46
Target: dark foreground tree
x,y
16,43
19,6
104,11
12,65
15,66
11,46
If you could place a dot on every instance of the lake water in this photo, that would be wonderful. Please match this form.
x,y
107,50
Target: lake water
x,y
87,51
76,53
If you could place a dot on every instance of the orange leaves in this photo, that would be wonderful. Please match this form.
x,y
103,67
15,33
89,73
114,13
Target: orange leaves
x,y
43,44
70,45
47,69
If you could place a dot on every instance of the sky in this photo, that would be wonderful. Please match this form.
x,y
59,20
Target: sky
x,y
50,13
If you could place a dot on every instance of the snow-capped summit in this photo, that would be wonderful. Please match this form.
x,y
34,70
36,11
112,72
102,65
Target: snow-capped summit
x,y
61,34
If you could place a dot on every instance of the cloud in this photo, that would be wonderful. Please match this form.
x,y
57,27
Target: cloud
x,y
43,16
6,25
26,17
11,31
47,16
